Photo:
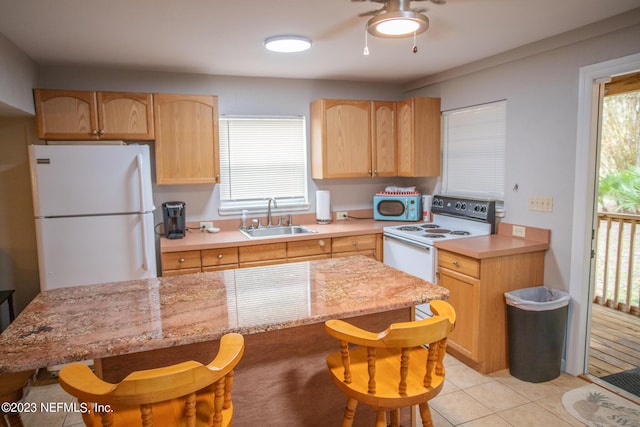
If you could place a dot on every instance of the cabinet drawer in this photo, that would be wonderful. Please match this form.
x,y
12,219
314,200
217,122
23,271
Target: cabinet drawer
x,y
353,243
460,263
269,251
308,247
221,256
181,260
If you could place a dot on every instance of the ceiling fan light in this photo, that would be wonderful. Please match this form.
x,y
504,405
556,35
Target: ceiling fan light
x,y
396,27
398,24
287,44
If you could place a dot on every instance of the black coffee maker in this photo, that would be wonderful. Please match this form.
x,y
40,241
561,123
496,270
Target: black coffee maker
x,y
174,219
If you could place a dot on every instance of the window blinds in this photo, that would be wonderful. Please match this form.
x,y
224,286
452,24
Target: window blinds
x,y
260,158
474,141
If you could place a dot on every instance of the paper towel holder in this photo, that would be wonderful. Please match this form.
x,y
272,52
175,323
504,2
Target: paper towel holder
x,y
323,207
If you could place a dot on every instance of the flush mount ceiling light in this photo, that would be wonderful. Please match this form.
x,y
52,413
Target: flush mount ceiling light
x,y
287,43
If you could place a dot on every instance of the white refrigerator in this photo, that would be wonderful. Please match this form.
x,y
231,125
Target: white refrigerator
x,y
93,209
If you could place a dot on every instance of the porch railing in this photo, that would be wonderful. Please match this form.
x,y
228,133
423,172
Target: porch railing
x,y
618,262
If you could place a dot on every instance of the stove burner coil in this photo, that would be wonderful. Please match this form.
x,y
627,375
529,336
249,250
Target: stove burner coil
x,y
434,236
427,226
409,228
460,233
439,231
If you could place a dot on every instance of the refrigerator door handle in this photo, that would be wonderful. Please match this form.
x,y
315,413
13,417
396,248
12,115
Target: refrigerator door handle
x,y
145,253
143,195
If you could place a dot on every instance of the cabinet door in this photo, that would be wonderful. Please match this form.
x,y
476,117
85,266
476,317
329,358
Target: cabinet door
x,y
123,115
341,138
464,297
384,139
66,114
419,125
186,145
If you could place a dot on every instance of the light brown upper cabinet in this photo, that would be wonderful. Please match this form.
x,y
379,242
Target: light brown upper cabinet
x,y
340,138
354,139
86,115
186,144
419,137
384,156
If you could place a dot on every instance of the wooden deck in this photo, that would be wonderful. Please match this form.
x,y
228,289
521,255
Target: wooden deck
x,y
615,341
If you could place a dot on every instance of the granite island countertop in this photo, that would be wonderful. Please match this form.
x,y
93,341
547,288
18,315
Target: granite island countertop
x,y
93,322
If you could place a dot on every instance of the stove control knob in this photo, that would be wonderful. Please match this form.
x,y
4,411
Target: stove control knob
x,y
464,206
483,209
458,205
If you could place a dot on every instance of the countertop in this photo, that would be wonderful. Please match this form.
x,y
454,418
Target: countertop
x,y
503,243
93,322
198,240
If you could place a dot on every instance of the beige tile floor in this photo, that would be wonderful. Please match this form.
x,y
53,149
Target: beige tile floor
x,y
468,399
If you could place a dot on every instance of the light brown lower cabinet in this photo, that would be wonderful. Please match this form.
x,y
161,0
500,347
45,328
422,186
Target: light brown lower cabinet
x,y
367,244
477,288
265,254
187,262
219,259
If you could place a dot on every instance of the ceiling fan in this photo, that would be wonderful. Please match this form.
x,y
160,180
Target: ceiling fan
x,y
396,18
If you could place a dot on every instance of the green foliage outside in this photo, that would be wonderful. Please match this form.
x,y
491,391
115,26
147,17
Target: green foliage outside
x,y
619,188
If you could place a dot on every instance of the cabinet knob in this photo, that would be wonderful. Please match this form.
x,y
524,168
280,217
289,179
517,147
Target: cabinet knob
x,y
321,243
355,243
220,256
181,260
375,172
455,262
101,132
94,132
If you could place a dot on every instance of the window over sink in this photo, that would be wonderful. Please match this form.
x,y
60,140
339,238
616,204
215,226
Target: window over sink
x,y
262,157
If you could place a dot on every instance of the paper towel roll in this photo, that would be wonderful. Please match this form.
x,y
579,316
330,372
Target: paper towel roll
x,y
426,208
323,207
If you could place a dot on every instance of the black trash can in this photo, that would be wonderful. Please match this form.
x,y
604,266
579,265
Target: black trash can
x,y
536,324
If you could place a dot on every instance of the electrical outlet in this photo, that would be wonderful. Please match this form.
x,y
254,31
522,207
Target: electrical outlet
x,y
342,215
518,231
206,224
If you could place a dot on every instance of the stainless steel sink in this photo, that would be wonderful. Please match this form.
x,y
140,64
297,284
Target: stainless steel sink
x,y
277,231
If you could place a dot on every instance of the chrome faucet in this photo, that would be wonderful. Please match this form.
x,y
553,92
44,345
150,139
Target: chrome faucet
x,y
275,205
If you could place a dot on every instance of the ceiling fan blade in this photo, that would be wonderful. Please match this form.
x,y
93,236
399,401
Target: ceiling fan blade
x,y
372,12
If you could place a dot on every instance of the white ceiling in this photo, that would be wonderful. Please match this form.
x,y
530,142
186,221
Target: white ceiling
x,y
226,37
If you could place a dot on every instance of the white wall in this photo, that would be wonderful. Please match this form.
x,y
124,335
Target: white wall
x,y
542,110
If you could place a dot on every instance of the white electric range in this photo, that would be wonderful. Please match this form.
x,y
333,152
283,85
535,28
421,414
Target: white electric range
x,y
410,247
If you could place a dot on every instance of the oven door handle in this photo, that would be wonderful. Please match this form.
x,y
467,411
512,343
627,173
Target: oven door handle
x,y
408,242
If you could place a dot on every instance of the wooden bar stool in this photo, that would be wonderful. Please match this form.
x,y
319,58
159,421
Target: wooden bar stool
x,y
13,388
391,369
185,394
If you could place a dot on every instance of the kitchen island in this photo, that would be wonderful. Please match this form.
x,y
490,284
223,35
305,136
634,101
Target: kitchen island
x,y
280,309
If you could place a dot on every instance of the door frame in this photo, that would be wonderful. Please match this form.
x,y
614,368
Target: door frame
x,y
584,199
